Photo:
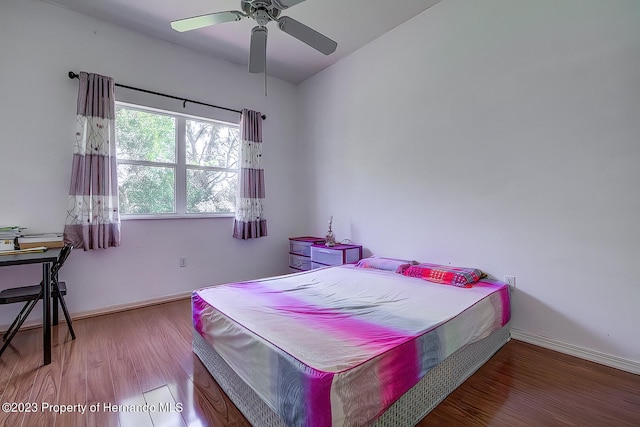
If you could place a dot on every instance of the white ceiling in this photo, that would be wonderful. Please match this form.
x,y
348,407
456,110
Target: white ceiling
x,y
351,23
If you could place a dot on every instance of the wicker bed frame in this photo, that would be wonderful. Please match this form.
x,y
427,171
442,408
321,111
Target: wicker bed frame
x,y
414,405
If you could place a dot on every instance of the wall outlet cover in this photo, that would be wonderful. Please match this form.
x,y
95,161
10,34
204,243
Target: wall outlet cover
x,y
511,281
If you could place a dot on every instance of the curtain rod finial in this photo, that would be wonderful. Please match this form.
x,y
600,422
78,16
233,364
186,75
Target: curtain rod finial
x,y
73,75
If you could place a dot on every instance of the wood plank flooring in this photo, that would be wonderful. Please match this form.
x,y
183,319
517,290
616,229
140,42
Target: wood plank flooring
x,y
143,357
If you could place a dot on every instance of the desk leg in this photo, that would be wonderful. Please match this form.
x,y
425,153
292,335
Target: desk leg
x,y
46,311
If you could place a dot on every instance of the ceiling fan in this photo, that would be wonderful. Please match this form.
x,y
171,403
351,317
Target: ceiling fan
x,y
263,12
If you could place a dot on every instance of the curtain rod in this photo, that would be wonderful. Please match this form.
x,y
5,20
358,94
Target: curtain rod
x,y
73,75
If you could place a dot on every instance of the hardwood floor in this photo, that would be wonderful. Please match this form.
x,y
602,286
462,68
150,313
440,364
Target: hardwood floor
x,y
144,357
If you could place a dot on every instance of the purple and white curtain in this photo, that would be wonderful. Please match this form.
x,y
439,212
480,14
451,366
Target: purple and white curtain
x,y
250,221
93,220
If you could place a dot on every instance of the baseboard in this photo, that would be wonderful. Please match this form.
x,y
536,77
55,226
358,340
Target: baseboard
x,y
572,350
106,310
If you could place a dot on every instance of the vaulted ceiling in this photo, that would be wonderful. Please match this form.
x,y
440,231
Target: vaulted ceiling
x,y
351,23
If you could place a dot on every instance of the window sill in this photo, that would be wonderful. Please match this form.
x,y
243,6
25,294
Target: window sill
x,y
174,216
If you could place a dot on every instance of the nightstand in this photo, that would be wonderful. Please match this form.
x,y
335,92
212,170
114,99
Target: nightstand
x,y
323,256
300,252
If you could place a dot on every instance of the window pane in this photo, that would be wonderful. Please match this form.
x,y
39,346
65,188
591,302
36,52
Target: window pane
x,y
212,144
145,136
146,189
211,191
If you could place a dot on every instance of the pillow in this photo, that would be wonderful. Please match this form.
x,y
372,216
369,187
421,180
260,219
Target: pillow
x,y
456,276
386,264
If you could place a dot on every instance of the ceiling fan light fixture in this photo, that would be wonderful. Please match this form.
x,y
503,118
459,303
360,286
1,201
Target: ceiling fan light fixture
x,y
262,17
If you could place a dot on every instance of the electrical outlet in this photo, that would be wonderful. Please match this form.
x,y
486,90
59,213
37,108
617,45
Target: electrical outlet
x,y
183,261
511,281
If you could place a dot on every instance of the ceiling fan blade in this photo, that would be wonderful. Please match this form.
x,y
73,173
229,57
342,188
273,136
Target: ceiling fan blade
x,y
307,35
284,4
201,21
258,50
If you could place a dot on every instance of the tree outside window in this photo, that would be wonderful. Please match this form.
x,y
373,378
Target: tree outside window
x,y
169,164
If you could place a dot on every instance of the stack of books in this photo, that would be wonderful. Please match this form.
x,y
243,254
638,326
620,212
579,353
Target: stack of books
x,y
14,241
49,240
8,237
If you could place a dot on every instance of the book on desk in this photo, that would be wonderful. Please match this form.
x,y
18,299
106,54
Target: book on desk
x,y
35,249
8,237
12,239
7,244
50,240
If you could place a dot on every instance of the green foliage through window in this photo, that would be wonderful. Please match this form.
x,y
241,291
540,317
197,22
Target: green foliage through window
x,y
146,189
150,163
145,136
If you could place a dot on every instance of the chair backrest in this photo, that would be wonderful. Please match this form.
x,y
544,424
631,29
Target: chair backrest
x,y
64,254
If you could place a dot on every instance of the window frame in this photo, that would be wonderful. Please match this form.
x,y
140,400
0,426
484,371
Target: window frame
x,y
180,165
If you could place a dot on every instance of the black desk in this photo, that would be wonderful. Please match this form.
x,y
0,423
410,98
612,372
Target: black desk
x,y
46,258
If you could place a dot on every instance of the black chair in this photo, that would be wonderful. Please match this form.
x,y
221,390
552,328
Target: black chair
x,y
30,295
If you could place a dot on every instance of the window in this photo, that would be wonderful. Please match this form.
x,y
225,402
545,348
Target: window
x,y
174,165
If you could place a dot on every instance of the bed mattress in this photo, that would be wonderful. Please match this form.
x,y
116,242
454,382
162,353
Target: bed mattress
x,y
338,346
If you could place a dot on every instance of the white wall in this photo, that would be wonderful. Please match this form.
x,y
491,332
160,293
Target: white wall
x,y
499,134
39,44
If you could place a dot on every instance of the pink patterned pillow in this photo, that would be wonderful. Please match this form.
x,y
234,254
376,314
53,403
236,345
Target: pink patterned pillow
x,y
387,264
456,276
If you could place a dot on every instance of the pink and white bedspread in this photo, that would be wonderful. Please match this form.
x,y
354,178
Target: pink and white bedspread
x,y
337,346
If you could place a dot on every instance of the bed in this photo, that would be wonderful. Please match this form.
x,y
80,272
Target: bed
x,y
345,346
